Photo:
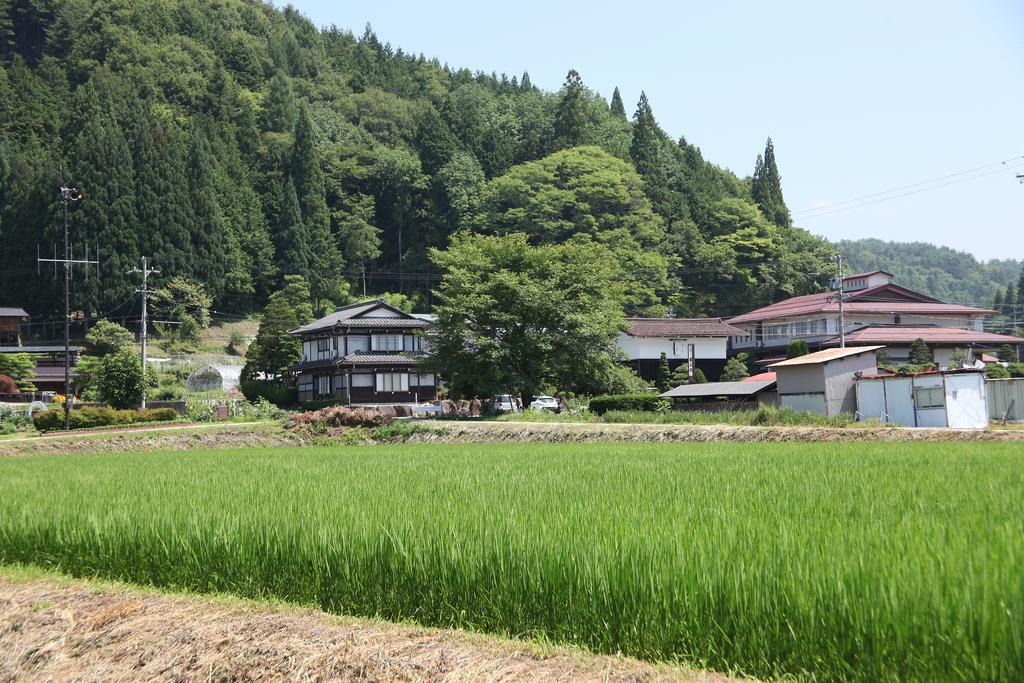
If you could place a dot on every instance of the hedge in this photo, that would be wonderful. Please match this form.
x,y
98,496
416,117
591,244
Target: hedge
x,y
272,391
640,402
102,416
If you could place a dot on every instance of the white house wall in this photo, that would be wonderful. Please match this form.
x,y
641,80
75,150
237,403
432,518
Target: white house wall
x,y
644,348
854,320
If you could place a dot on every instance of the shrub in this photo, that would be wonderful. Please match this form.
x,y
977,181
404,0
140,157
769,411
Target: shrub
x,y
8,385
235,343
397,432
341,416
107,337
996,371
324,403
89,417
48,420
274,392
1016,369
641,402
156,415
121,381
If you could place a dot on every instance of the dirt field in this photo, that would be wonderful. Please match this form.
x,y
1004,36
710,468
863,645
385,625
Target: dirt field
x,y
73,630
272,435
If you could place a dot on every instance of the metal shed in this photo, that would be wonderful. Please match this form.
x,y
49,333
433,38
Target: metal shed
x,y
822,382
1006,399
725,395
955,398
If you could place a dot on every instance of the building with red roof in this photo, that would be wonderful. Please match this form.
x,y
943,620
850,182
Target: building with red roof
x,y
871,302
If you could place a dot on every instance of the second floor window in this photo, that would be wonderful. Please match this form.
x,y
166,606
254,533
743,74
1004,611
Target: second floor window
x,y
387,342
323,345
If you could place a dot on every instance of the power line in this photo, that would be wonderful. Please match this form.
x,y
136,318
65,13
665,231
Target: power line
x,y
906,187
907,194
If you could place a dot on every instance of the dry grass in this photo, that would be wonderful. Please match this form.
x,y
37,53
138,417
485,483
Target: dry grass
x,y
74,630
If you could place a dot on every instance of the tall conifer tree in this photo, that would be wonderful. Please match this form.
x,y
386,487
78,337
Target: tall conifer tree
x,y
291,237
280,110
572,120
208,238
617,108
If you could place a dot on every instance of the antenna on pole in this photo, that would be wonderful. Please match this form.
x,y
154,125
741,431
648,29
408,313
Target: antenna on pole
x,y
68,196
145,292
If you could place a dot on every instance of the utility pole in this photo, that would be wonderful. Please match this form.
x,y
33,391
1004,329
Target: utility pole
x,y
145,292
68,196
842,314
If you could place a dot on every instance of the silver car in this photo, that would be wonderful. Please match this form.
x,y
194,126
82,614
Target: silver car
x,y
545,403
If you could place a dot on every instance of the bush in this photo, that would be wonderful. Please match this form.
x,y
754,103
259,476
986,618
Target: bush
x,y
1016,369
340,416
121,381
13,419
640,402
277,394
8,385
996,371
156,415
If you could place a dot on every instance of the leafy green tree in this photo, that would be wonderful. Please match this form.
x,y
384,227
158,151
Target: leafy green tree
x,y
399,301
572,116
797,348
735,369
997,301
515,317
584,191
209,241
121,382
1010,300
617,108
1007,354
106,337
188,295
19,367
274,350
664,373
920,354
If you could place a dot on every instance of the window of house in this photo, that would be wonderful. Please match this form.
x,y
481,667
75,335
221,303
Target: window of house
x,y
387,342
929,397
425,380
323,385
392,381
362,380
358,344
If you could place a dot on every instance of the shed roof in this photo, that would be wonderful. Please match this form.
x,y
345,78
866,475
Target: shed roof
x,y
38,349
931,334
719,389
681,327
12,312
824,356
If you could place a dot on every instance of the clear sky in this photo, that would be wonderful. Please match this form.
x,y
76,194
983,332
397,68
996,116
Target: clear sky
x,y
858,97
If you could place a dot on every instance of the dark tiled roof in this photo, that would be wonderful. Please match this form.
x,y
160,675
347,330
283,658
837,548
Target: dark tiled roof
x,y
868,273
681,327
354,315
7,312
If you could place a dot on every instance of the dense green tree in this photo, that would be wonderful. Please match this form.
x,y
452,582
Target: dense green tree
x,y
20,367
766,188
189,295
797,348
664,373
920,354
1020,293
617,108
1007,354
274,350
997,301
680,376
735,369
326,267
291,235
106,337
1010,301
585,192
209,239
280,109
514,317
121,382
572,116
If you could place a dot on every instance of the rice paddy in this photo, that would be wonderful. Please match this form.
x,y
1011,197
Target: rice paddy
x,y
858,561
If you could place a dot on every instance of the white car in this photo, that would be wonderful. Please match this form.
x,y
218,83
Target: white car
x,y
545,403
505,404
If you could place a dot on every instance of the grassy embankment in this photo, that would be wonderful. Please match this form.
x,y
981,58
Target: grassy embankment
x,y
863,562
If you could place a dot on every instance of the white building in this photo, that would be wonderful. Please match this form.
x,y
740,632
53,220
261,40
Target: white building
x,y
956,398
648,338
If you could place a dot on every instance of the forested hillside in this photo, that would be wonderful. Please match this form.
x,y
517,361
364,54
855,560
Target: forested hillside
x,y
234,143
944,273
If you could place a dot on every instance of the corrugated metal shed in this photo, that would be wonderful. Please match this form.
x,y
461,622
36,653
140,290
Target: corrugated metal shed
x,y
1006,399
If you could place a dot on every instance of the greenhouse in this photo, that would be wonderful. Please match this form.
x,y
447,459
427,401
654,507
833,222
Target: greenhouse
x,y
214,379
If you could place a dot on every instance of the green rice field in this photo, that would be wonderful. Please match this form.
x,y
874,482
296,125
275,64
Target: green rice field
x,y
865,561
